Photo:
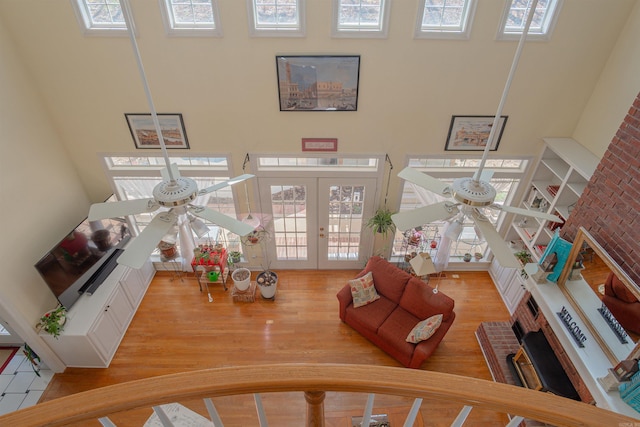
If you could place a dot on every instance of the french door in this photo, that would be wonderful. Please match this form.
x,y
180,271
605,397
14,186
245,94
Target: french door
x,y
317,223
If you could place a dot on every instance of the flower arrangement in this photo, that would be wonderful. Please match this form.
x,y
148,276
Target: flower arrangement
x,y
53,321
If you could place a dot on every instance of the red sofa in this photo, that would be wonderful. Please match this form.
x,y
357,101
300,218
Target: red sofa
x,y
622,303
404,301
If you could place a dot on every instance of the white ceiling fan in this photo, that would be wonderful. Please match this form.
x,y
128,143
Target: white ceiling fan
x,y
471,195
174,192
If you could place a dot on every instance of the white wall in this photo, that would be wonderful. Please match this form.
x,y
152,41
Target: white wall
x,y
615,92
226,87
40,192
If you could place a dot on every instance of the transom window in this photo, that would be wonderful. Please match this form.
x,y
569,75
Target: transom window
x,y
191,17
515,15
444,18
323,163
360,18
276,18
506,177
101,17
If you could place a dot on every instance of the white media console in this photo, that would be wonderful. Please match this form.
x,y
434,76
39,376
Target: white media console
x,y
97,323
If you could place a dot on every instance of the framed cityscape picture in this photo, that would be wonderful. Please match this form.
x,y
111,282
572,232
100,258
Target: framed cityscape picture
x,y
318,83
144,132
471,133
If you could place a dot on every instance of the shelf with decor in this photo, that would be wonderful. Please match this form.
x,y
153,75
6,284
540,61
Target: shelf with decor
x,y
561,175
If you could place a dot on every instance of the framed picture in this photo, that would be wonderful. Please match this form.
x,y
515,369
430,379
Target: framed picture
x,y
319,144
318,83
471,133
144,132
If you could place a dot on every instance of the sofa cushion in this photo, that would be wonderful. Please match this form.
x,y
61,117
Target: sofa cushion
x,y
419,300
621,291
424,329
394,332
389,279
370,316
363,290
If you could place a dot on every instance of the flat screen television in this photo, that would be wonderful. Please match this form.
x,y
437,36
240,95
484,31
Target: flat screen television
x,y
81,261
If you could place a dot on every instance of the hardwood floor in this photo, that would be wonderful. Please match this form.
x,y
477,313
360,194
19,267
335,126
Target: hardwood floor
x,y
177,329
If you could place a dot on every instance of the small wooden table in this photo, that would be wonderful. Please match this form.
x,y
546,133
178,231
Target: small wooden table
x,y
244,296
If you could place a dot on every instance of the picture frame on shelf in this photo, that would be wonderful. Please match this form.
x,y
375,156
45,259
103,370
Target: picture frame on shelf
x,y
318,82
471,133
143,130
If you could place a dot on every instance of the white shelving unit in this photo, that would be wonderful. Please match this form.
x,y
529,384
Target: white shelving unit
x,y
563,172
561,175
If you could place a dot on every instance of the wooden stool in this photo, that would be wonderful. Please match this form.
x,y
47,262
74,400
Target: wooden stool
x,y
244,296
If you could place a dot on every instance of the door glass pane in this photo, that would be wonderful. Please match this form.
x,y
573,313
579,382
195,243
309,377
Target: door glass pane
x,y
289,207
345,221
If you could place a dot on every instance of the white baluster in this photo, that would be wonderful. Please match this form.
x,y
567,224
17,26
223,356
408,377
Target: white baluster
x,y
260,409
462,416
213,413
413,413
368,409
163,417
515,421
106,422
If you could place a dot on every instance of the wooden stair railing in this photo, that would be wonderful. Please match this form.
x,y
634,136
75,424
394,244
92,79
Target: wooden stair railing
x,y
314,380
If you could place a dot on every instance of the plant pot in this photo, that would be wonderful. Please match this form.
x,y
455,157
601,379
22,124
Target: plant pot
x,y
241,278
267,281
466,257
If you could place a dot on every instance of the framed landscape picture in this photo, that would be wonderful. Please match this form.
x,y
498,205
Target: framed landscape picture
x,y
471,133
318,83
144,132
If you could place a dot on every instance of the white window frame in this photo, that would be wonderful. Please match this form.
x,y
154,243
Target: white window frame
x,y
543,33
360,30
192,29
276,30
442,32
89,28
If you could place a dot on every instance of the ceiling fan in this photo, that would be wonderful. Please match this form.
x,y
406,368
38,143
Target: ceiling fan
x,y
174,192
471,196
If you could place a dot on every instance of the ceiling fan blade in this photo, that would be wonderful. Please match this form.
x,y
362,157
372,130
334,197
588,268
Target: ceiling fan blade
x,y
231,181
224,221
498,246
486,175
120,209
424,181
138,250
424,215
527,212
174,170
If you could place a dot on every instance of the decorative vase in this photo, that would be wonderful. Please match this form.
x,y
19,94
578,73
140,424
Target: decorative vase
x,y
241,278
267,281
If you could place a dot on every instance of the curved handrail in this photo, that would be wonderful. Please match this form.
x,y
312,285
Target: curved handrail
x,y
148,392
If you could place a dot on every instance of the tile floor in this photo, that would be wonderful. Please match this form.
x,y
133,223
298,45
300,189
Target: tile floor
x,y
20,387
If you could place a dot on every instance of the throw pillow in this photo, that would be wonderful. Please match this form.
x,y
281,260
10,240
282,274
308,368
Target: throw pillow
x,y
363,290
424,329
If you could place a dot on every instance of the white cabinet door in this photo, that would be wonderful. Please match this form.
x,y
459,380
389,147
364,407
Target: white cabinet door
x,y
109,328
134,287
513,293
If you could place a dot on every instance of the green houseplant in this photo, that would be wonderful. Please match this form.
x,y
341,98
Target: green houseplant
x,y
381,222
53,321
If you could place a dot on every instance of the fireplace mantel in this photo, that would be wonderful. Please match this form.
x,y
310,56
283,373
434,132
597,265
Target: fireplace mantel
x,y
590,361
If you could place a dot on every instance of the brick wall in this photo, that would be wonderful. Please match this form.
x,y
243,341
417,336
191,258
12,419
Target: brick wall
x,y
610,206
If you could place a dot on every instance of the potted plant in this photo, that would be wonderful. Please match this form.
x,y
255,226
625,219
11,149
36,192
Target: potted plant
x,y
466,257
53,321
524,257
241,278
381,222
235,257
267,280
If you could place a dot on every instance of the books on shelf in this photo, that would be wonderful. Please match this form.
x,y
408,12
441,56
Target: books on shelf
x,y
553,189
539,249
